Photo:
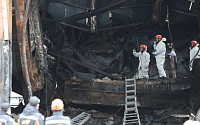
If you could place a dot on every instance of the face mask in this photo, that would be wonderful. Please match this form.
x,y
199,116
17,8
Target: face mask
x,y
170,49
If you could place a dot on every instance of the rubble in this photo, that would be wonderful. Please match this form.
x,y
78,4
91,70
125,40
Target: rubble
x,y
81,51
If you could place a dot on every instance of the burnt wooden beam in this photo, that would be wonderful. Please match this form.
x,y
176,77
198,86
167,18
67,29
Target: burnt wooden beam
x,y
61,55
74,26
135,6
95,11
71,4
88,30
119,27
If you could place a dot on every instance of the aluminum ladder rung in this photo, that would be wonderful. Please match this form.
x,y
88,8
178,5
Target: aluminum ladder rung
x,y
130,97
130,91
130,109
81,118
131,114
131,123
131,85
132,120
130,80
130,103
128,117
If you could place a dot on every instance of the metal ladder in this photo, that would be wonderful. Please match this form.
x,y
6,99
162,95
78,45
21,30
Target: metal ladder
x,y
81,118
131,114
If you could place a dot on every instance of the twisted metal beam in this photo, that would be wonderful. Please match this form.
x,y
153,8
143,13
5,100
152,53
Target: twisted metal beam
x,y
25,66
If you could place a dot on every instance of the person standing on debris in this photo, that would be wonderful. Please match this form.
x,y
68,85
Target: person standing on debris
x,y
159,53
144,59
30,114
57,107
190,122
194,53
170,61
5,117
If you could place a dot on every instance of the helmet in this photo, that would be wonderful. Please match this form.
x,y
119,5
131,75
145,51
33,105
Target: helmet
x,y
193,42
158,36
143,46
57,105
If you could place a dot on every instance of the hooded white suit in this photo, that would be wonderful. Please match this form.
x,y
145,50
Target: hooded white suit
x,y
143,67
194,55
160,50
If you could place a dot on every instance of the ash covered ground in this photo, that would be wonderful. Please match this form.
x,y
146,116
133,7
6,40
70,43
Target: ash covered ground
x,y
105,115
110,115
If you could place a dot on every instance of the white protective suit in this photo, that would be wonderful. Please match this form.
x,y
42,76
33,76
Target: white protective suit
x,y
143,67
190,122
160,50
194,55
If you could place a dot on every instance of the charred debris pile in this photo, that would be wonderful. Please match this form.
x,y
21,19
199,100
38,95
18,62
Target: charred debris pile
x,y
83,47
74,53
94,39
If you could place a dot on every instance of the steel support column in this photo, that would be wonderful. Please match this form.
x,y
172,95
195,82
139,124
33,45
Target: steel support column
x,y
5,50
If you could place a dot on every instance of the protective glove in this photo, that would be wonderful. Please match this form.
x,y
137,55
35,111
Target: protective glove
x,y
134,51
164,39
172,53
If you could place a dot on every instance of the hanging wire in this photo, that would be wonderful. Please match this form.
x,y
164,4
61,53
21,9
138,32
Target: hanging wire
x,y
168,24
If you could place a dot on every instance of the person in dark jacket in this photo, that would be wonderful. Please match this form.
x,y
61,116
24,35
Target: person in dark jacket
x,y
5,116
30,114
57,108
170,61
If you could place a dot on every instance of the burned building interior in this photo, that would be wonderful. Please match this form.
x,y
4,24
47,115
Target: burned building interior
x,y
81,51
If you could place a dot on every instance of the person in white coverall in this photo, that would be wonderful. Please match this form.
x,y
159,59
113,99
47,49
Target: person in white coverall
x,y
144,59
194,53
159,53
190,122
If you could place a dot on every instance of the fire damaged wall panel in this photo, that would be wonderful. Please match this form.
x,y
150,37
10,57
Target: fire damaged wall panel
x,y
107,92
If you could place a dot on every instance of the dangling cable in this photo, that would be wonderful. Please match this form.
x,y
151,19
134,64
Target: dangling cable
x,y
167,20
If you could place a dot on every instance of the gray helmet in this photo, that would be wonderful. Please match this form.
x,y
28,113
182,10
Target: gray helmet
x,y
5,107
34,100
